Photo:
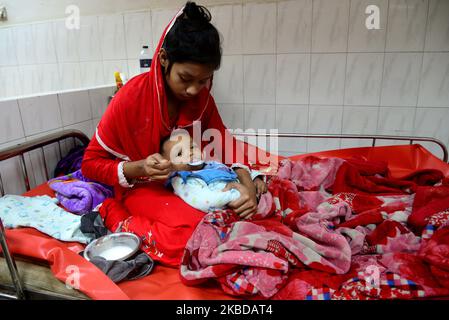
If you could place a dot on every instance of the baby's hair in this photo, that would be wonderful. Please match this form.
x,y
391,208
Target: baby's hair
x,y
172,136
193,38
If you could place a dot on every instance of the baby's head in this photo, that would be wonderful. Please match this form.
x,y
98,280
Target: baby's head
x,y
180,149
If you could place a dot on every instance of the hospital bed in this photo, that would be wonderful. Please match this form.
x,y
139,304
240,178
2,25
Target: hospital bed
x,y
31,263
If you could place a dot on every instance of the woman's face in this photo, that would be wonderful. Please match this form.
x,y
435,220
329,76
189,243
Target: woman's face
x,y
185,80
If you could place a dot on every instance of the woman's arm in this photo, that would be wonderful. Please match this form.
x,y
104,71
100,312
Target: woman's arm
x,y
101,166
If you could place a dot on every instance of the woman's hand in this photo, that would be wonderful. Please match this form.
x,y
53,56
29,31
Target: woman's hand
x,y
154,167
261,187
157,167
246,205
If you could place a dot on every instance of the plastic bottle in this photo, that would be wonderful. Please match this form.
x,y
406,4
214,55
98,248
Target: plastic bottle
x,y
145,59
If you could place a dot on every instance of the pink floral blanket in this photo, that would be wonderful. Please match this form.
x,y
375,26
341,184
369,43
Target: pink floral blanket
x,y
307,242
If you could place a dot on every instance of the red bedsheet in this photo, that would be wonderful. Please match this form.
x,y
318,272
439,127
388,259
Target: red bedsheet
x,y
164,282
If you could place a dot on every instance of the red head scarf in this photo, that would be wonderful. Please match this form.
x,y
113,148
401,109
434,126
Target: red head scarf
x,y
137,120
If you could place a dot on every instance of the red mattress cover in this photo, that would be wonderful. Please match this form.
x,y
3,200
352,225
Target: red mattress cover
x,y
164,282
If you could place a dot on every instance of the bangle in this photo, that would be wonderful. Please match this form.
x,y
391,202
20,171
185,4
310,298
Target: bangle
x,y
143,179
121,176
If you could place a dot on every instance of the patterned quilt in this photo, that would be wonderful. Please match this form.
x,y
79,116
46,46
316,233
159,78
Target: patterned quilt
x,y
330,228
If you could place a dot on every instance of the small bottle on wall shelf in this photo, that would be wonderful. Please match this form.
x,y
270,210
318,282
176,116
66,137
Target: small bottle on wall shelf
x,y
145,59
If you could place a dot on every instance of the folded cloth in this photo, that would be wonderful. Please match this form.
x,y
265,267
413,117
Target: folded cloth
x,y
134,268
429,202
79,194
43,214
92,225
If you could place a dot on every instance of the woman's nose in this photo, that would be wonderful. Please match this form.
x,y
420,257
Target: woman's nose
x,y
193,90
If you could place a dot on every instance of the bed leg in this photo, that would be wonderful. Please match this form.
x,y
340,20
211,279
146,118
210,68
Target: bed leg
x,y
11,264
45,163
60,150
2,190
25,173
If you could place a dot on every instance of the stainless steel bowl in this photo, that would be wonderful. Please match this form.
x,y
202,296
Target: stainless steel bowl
x,y
114,246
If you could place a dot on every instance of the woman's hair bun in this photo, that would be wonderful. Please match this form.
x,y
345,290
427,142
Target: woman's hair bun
x,y
193,38
196,13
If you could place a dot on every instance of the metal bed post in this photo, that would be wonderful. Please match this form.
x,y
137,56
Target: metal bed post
x,y
60,150
45,163
2,190
25,172
11,266
19,151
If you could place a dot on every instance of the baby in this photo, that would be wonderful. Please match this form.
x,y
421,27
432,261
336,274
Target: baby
x,y
200,183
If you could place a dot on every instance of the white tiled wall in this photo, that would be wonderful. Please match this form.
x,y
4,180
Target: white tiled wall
x,y
328,73
24,119
308,66
47,57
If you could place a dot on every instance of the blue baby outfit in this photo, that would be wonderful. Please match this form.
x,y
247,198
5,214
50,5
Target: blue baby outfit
x,y
202,189
211,172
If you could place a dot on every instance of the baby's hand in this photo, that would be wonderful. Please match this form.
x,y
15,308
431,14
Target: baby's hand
x,y
261,187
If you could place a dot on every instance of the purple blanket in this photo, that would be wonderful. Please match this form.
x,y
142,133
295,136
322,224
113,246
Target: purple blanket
x,y
79,194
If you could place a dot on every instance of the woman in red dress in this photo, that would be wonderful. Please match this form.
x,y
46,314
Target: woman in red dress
x,y
174,94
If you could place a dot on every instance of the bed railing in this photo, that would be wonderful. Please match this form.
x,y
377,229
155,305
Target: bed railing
x,y
39,143
373,138
19,151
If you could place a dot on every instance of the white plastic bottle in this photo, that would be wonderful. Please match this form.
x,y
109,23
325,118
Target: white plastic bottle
x,y
145,59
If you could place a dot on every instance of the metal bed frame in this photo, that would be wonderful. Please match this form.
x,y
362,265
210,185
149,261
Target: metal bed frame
x,y
373,138
18,151
40,143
